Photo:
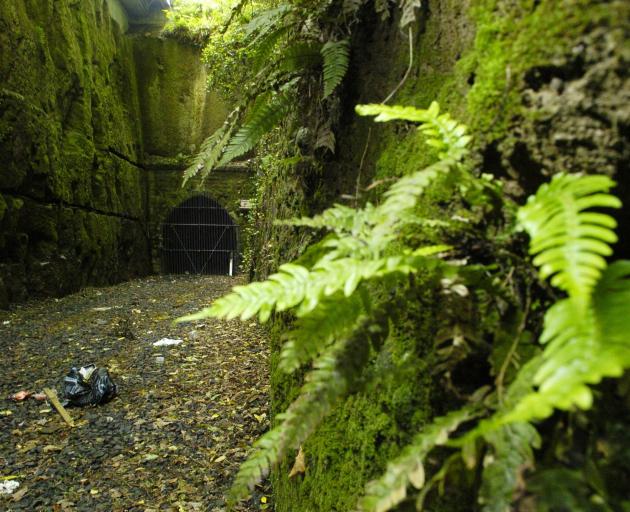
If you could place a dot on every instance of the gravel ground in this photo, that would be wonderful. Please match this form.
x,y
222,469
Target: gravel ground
x,y
184,417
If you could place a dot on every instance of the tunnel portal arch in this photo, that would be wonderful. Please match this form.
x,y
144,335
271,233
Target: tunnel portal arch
x,y
199,237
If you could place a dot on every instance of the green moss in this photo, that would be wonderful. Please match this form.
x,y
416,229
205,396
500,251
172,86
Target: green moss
x,y
512,38
473,58
174,123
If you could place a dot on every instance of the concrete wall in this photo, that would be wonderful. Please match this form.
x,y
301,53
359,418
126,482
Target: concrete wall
x,y
84,111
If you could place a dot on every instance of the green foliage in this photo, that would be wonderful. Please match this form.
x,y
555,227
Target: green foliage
x,y
510,455
334,318
569,242
278,47
336,59
194,20
264,117
408,468
329,295
582,333
211,150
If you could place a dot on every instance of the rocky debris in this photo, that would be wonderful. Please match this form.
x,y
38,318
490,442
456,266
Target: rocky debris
x,y
184,417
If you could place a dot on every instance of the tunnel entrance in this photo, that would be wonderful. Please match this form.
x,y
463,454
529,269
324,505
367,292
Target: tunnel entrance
x,y
199,237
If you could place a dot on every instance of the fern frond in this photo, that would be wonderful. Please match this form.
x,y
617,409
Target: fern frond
x,y
212,148
210,152
322,388
569,242
334,318
336,56
584,345
334,373
445,134
296,287
611,302
442,131
300,56
261,121
512,454
265,21
391,488
338,218
264,47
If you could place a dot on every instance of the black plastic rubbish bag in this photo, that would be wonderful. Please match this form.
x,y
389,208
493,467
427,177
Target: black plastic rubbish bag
x,y
88,385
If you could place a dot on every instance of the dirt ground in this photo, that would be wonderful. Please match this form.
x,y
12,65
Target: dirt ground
x,y
184,417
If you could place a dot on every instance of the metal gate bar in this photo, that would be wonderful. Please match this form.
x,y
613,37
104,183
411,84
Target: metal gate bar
x,y
199,237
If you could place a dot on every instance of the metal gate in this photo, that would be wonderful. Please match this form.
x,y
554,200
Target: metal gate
x,y
199,237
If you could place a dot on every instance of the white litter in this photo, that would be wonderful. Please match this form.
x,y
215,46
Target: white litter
x,y
165,342
9,486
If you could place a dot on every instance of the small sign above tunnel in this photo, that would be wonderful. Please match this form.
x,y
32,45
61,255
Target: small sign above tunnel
x,y
199,237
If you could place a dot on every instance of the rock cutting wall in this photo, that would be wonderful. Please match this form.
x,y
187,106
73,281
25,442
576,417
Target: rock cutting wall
x,y
84,109
543,86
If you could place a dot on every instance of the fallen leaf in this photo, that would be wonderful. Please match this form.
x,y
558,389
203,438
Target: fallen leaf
x,y
52,448
299,466
220,459
18,495
20,395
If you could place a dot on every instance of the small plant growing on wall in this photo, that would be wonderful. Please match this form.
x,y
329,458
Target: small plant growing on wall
x,y
341,317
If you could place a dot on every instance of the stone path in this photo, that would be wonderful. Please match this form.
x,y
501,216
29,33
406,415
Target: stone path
x,y
184,418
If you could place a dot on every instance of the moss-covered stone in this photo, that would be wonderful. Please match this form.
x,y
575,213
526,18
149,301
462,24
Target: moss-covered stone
x,y
177,111
541,84
84,111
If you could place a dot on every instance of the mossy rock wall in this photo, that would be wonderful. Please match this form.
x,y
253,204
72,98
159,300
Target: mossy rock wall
x,y
83,109
68,137
177,113
544,87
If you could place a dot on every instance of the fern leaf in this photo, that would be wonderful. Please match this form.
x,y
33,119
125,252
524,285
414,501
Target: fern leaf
x,y
336,59
265,21
261,121
444,133
296,287
611,301
511,455
569,242
391,488
300,56
334,373
584,345
339,218
333,319
264,47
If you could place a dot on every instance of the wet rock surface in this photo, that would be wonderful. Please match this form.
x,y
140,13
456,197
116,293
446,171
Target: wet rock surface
x,y
184,417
